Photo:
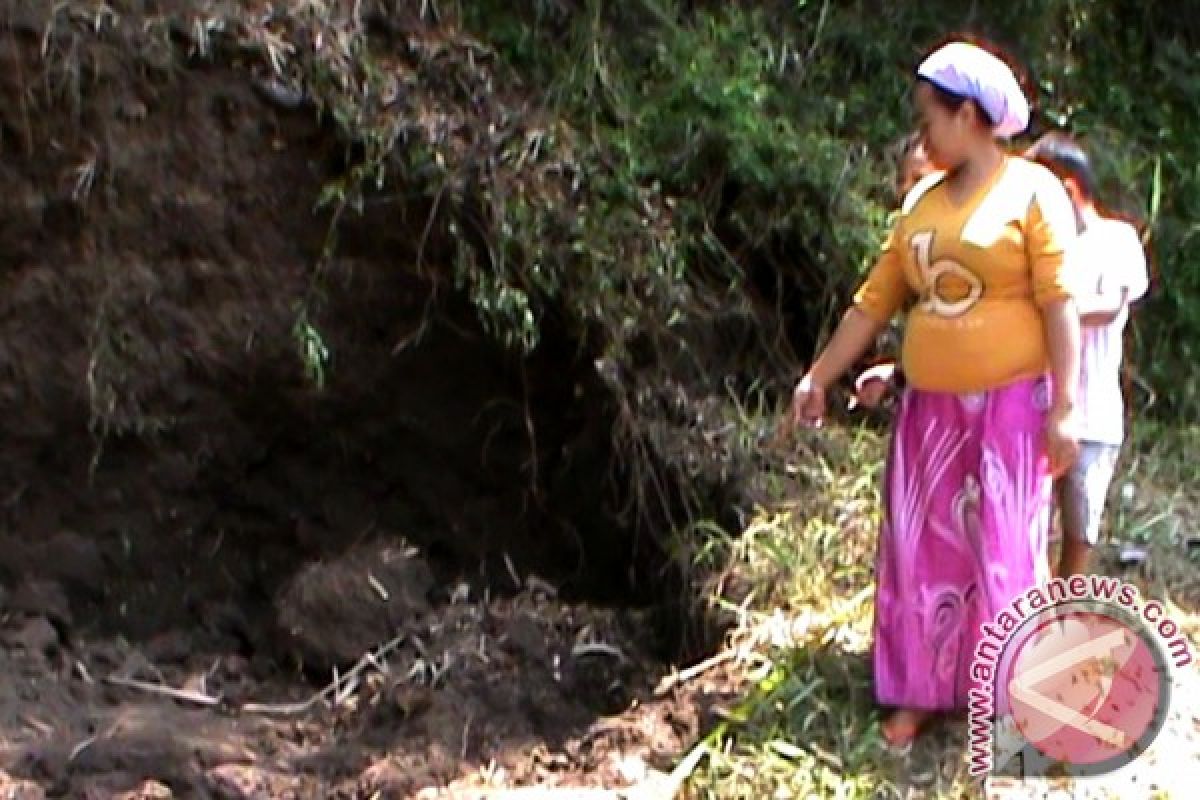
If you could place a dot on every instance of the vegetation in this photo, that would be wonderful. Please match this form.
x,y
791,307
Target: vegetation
x,y
688,191
766,134
807,725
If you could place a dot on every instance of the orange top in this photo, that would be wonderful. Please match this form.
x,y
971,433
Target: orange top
x,y
979,273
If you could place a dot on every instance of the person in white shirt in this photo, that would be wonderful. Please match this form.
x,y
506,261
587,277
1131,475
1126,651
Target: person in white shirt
x,y
1109,264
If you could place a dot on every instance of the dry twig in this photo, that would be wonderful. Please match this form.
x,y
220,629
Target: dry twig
x,y
335,688
679,678
199,698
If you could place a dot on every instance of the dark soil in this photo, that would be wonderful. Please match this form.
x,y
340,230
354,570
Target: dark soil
x,y
179,505
512,690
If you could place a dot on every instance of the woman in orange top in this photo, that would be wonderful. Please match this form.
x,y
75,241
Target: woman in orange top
x,y
990,357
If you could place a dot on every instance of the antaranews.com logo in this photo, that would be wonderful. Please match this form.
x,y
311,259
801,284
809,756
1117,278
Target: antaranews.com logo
x,y
1072,679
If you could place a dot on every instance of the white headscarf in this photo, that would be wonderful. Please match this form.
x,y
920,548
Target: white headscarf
x,y
970,71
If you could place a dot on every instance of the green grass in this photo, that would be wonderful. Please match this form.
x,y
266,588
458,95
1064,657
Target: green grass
x,y
803,571
1155,502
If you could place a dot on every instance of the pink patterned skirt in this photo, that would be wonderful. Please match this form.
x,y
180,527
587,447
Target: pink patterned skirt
x,y
967,504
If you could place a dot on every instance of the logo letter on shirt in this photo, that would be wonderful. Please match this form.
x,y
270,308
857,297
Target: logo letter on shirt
x,y
932,300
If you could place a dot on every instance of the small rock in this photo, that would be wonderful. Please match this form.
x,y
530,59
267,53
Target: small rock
x,y
279,93
332,612
244,782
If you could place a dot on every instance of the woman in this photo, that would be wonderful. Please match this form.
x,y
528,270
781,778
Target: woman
x,y
990,357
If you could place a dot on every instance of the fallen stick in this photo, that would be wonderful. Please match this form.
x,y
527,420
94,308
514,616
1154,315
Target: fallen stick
x,y
199,698
369,659
678,678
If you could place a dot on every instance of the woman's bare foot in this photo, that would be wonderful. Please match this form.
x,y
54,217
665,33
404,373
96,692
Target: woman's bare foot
x,y
903,725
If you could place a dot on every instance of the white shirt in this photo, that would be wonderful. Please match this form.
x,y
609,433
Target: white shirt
x,y
1106,258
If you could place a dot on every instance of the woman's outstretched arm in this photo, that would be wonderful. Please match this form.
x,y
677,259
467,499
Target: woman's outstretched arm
x,y
853,336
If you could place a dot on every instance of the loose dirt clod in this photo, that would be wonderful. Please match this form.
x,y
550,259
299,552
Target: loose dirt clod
x,y
332,612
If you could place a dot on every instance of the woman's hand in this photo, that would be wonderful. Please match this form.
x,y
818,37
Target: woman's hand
x,y
854,334
808,404
1062,441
